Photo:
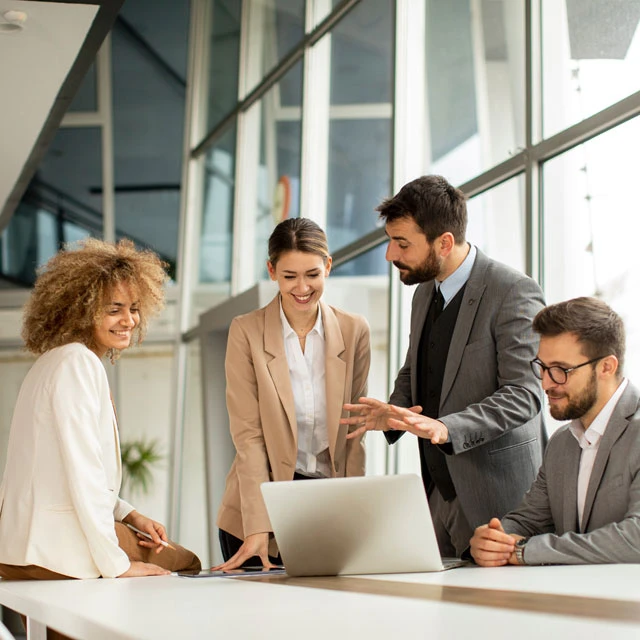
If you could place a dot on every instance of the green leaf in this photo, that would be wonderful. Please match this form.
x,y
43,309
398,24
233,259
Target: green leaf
x,y
138,458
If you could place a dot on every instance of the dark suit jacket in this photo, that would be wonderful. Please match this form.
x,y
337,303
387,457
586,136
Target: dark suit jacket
x,y
490,401
610,530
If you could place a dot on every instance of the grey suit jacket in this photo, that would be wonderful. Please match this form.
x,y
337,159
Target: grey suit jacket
x,y
610,530
490,401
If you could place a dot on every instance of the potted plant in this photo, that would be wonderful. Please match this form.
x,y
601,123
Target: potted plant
x,y
138,458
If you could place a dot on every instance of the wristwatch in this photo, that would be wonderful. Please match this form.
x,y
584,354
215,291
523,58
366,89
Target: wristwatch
x,y
519,550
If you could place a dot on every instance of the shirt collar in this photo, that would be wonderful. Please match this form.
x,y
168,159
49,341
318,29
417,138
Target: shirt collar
x,y
451,285
287,330
599,425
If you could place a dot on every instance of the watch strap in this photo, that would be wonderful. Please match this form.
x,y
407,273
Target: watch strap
x,y
519,550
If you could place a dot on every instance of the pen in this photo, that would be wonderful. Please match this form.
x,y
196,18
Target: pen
x,y
147,535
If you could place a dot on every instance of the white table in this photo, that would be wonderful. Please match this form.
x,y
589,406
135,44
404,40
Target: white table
x,y
470,602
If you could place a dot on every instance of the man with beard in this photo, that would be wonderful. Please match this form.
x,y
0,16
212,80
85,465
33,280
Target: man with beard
x,y
584,506
466,388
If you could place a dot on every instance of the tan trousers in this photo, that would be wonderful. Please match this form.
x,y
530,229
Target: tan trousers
x,y
179,560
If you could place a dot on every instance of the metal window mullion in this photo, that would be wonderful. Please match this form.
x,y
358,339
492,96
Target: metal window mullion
x,y
410,110
78,119
186,272
105,110
316,99
105,113
246,155
481,84
583,131
533,128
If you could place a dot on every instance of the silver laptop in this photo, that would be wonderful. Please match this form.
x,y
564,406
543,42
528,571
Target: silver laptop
x,y
338,526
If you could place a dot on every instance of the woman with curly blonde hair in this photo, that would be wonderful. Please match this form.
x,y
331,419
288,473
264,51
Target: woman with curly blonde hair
x,y
60,513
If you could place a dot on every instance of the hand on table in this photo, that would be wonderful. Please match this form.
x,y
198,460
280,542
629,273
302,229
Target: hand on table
x,y
139,569
256,544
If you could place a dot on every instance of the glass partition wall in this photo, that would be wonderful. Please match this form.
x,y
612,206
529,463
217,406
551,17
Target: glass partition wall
x,y
321,108
337,104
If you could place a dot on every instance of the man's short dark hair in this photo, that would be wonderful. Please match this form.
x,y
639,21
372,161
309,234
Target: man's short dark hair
x,y
434,204
597,326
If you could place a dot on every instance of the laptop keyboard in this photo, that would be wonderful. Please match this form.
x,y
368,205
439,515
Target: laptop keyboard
x,y
452,563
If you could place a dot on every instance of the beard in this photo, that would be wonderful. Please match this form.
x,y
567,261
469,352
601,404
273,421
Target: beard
x,y
579,404
428,270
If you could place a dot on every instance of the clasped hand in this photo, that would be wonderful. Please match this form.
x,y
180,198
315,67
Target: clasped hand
x,y
492,547
374,415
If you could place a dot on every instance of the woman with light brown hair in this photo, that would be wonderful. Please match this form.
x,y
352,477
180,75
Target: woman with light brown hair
x,y
290,367
60,513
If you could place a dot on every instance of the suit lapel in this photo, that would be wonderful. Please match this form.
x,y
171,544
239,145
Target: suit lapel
x,y
471,297
335,374
418,318
278,366
569,483
116,438
616,426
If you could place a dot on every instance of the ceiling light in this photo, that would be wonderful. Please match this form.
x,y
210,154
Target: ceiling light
x,y
13,21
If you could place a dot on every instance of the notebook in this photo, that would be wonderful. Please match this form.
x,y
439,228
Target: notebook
x,y
364,525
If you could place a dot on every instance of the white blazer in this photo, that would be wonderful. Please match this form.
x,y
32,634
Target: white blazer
x,y
59,495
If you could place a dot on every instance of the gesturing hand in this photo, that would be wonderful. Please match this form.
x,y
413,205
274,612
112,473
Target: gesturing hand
x,y
374,415
421,426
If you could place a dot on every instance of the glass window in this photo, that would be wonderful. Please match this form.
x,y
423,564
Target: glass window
x,y
148,120
591,228
86,99
217,215
224,54
475,85
368,294
360,127
590,58
62,203
359,177
278,171
362,55
275,28
497,223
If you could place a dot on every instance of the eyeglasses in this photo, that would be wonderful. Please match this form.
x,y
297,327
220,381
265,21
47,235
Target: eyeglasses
x,y
558,374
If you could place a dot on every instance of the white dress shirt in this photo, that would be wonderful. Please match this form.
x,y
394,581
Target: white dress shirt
x,y
589,442
308,382
451,285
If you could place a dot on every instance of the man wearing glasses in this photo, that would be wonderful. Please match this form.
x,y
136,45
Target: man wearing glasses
x,y
584,506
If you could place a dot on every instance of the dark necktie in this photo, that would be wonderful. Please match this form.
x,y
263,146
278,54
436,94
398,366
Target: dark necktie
x,y
438,304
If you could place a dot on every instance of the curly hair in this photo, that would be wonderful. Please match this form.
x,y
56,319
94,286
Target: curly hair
x,y
72,289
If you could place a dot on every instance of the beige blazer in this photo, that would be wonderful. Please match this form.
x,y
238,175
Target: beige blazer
x,y
262,413
59,495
